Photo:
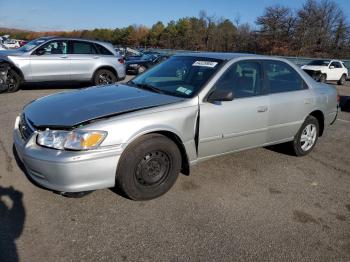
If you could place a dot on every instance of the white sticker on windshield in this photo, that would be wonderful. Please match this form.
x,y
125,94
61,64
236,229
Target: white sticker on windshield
x,y
205,63
184,90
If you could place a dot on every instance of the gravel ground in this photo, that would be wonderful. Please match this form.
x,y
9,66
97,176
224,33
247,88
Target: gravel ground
x,y
257,205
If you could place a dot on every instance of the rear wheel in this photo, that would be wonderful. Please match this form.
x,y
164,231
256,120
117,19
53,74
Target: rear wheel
x,y
307,136
149,167
13,81
342,80
105,77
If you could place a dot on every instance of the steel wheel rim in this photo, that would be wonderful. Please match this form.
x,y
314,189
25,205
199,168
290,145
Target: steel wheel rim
x,y
308,137
153,169
105,78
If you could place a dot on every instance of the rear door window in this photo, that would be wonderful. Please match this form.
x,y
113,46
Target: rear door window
x,y
281,77
83,48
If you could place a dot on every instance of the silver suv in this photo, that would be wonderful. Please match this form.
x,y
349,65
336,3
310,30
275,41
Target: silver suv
x,y
60,59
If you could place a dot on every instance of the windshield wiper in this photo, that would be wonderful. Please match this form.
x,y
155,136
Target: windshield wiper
x,y
148,87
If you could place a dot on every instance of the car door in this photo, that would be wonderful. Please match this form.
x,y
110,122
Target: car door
x,y
238,124
50,62
84,60
334,71
339,70
289,98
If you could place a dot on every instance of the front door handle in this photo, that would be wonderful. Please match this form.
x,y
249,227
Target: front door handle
x,y
262,109
96,57
64,56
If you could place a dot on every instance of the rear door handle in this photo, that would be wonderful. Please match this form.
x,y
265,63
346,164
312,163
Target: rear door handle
x,y
64,56
96,57
262,109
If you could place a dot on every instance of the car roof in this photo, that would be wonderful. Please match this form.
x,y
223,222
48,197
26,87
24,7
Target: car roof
x,y
73,38
225,56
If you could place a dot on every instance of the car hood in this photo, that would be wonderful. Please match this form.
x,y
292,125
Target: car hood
x,y
312,67
69,109
9,52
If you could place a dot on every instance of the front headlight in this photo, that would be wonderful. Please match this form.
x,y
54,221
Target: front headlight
x,y
133,65
72,140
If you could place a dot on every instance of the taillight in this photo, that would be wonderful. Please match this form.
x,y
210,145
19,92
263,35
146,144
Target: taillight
x,y
121,60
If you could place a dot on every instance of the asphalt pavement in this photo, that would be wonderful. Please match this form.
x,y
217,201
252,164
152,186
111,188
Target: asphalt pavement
x,y
256,205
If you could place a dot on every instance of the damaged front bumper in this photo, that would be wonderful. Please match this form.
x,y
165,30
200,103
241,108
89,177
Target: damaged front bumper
x,y
315,74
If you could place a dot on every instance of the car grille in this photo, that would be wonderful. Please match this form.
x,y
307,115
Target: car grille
x,y
25,128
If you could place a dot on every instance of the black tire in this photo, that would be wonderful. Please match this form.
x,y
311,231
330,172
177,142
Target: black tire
x,y
149,167
342,80
141,69
13,80
104,77
323,78
298,145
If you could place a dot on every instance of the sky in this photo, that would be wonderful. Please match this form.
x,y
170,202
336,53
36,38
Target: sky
x,y
79,14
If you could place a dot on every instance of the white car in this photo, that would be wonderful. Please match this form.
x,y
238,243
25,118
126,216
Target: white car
x,y
11,44
327,70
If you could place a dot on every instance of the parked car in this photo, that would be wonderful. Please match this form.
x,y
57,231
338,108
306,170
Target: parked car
x,y
138,65
327,70
11,44
62,59
139,135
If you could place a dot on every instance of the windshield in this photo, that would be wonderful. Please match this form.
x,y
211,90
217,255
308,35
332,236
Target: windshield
x,y
320,62
32,44
180,76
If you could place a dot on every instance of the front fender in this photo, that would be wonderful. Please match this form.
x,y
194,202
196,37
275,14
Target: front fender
x,y
124,129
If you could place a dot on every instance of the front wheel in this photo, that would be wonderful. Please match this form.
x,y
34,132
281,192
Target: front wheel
x,y
13,81
342,80
104,77
323,78
149,167
307,136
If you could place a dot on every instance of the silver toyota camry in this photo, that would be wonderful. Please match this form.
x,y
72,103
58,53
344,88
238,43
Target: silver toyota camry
x,y
140,135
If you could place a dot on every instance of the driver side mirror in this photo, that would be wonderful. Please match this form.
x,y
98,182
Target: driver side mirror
x,y
331,67
220,95
40,52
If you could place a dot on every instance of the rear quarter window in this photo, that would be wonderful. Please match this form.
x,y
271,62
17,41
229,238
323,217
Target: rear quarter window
x,y
102,50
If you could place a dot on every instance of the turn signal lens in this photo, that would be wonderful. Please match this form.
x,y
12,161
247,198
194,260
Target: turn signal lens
x,y
83,140
91,140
